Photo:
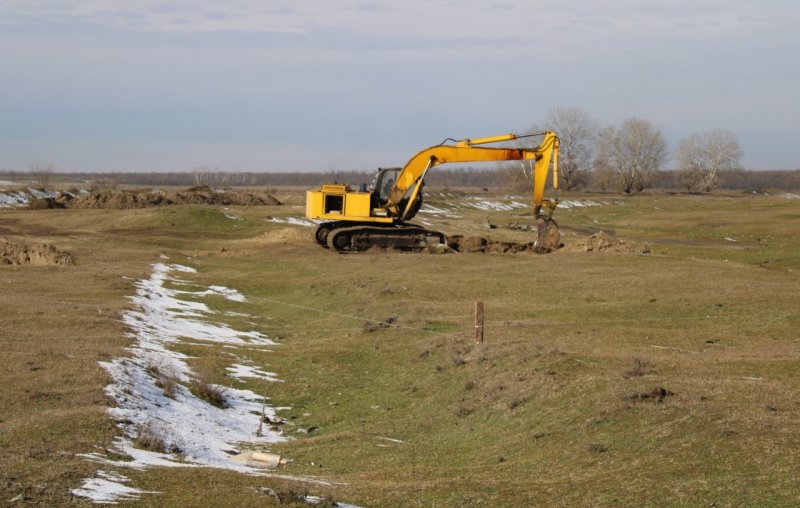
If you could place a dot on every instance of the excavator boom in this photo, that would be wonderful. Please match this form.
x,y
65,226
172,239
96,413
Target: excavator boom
x,y
471,151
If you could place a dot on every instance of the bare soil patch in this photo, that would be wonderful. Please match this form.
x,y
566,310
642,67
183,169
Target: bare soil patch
x,y
470,244
42,254
601,242
282,235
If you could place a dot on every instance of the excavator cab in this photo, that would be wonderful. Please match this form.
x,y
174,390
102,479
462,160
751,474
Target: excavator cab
x,y
382,184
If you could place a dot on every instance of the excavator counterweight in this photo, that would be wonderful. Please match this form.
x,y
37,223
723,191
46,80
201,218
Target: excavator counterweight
x,y
361,219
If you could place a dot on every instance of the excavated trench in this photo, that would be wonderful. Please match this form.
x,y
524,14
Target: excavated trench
x,y
43,254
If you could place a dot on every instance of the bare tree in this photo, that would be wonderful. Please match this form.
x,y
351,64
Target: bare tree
x,y
576,132
702,157
631,153
42,173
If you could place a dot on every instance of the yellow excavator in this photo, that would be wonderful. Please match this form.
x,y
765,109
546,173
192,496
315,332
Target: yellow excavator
x,y
360,219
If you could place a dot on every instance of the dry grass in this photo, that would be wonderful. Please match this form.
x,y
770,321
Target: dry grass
x,y
165,378
639,366
564,389
152,437
214,394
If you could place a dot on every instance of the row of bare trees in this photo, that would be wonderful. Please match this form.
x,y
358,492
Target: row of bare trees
x,y
628,156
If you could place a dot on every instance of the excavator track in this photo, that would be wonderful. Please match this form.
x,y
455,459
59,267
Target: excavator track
x,y
344,236
354,238
321,234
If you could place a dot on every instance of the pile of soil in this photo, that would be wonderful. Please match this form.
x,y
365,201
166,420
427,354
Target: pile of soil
x,y
601,242
469,244
121,200
39,254
282,235
45,204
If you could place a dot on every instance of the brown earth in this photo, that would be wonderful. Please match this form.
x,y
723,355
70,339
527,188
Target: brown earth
x,y
45,204
598,242
282,235
39,254
459,243
121,200
601,242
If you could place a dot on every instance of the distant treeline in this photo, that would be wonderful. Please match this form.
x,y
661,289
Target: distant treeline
x,y
459,177
738,179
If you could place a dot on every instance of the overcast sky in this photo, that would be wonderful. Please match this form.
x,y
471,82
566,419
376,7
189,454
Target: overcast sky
x,y
318,85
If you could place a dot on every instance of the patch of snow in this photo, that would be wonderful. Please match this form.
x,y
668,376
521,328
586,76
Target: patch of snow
x,y
163,318
789,195
22,198
487,205
139,459
509,203
108,488
432,210
728,238
302,222
241,371
204,434
228,293
318,501
232,217
9,199
295,221
574,203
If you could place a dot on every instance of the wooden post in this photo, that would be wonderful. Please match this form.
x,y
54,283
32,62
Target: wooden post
x,y
479,322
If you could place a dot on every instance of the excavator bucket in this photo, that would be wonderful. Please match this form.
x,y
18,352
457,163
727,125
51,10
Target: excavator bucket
x,y
548,236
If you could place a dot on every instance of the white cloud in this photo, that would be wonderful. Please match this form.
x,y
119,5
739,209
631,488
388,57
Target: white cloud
x,y
524,19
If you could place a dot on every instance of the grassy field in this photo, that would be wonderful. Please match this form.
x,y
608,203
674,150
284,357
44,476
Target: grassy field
x,y
605,377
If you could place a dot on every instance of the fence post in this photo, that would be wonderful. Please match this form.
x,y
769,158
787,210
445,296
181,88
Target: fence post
x,y
478,322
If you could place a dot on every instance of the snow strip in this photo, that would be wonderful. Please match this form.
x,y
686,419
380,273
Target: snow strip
x,y
306,223
108,488
436,211
496,205
318,501
204,435
9,199
22,198
240,371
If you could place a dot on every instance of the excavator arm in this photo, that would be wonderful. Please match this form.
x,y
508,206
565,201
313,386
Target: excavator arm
x,y
410,179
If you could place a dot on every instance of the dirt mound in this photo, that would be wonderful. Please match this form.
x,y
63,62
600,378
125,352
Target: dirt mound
x,y
601,242
45,204
122,200
39,254
283,235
